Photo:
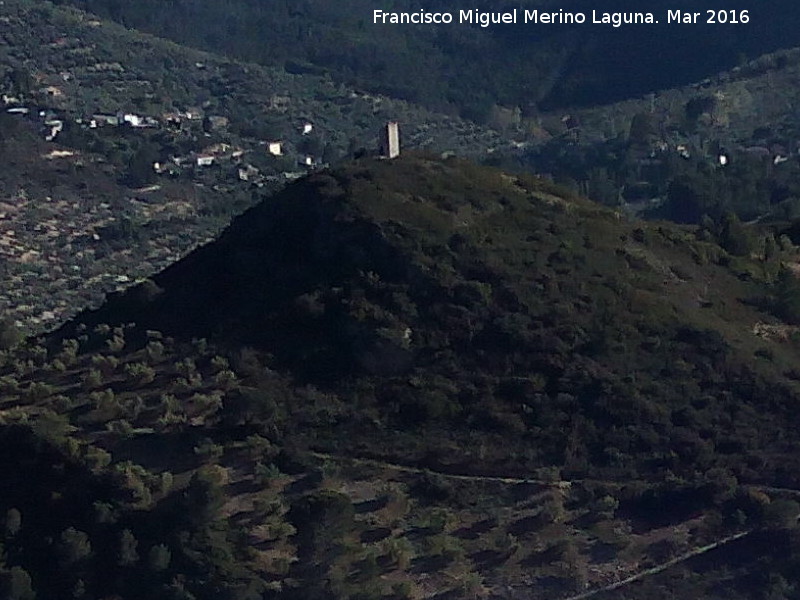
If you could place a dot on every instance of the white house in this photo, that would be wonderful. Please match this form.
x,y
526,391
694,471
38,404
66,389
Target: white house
x,y
55,127
133,120
307,128
204,160
275,148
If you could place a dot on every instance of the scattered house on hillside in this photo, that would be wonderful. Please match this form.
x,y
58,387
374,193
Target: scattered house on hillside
x,y
104,119
194,113
18,110
722,159
390,140
217,149
133,120
204,160
52,91
275,148
248,173
172,119
10,99
166,168
59,154
52,128
223,151
779,159
307,161
306,128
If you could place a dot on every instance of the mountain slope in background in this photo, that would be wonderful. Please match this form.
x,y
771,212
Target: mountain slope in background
x,y
468,68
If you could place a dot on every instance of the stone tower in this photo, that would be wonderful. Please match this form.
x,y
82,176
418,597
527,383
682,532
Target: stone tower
x,y
390,140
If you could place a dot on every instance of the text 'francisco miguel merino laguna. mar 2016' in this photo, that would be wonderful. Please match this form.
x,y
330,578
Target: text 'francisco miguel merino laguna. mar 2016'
x,y
561,17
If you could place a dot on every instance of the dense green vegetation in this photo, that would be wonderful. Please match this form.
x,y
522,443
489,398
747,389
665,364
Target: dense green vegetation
x,y
621,173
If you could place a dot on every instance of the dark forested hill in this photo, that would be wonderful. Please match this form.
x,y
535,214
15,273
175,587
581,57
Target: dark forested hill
x,y
399,379
468,69
441,293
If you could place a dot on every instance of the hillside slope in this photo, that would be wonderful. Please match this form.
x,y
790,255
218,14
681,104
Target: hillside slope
x,y
101,67
409,379
443,294
130,219
73,229
470,68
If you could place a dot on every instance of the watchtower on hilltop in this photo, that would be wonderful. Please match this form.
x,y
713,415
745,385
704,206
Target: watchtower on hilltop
x,y
390,140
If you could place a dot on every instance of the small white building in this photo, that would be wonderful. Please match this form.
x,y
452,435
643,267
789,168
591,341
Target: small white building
x,y
248,173
132,120
204,160
307,128
54,127
275,148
